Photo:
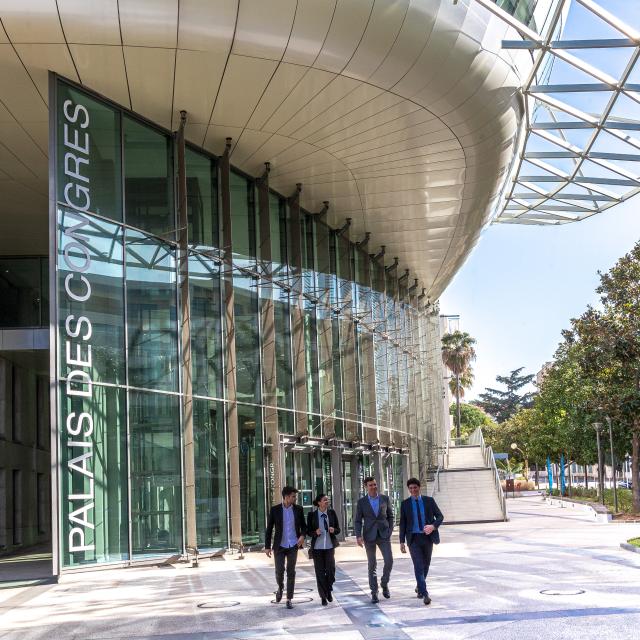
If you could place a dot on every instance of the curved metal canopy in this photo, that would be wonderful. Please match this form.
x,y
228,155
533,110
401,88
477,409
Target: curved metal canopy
x,y
581,149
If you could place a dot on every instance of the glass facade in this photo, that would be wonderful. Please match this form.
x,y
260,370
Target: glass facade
x,y
302,351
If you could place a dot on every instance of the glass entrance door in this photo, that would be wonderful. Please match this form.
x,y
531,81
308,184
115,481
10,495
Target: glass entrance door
x,y
310,473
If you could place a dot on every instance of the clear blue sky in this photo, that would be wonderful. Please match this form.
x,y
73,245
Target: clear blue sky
x,y
522,284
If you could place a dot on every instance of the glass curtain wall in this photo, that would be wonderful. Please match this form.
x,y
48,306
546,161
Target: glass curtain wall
x,y
344,327
119,403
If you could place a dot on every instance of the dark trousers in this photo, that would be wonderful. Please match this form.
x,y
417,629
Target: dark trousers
x,y
324,562
387,556
420,549
290,557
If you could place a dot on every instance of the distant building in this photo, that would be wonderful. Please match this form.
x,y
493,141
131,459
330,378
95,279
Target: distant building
x,y
540,376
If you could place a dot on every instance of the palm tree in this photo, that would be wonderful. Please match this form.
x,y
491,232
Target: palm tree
x,y
457,354
466,380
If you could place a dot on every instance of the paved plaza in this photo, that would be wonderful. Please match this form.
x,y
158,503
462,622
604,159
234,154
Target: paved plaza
x,y
486,581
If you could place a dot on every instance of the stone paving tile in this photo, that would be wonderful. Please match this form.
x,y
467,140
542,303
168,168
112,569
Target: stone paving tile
x,y
486,582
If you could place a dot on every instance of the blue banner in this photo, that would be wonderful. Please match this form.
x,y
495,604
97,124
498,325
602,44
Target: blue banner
x,y
562,481
549,475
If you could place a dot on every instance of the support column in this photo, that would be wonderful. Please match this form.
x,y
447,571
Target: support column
x,y
297,316
405,474
230,351
267,321
378,472
188,446
336,487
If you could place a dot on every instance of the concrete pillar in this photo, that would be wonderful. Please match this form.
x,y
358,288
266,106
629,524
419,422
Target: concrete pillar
x,y
188,446
267,322
378,472
229,348
336,487
297,316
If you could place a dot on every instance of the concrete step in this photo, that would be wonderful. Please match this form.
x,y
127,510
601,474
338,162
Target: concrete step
x,y
465,457
468,496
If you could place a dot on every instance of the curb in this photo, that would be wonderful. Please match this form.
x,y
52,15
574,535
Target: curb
x,y
587,508
630,547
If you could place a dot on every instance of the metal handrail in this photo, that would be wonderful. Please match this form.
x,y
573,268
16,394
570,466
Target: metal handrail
x,y
477,439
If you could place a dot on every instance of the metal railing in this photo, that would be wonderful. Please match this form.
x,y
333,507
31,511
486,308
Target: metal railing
x,y
477,439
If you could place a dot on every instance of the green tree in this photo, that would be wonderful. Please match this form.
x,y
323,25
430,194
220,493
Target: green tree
x,y
471,418
457,354
502,404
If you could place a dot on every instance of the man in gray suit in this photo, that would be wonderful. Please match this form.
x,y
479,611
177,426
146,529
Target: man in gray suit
x,y
375,512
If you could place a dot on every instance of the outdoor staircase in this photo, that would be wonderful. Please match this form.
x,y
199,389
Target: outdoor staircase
x,y
466,487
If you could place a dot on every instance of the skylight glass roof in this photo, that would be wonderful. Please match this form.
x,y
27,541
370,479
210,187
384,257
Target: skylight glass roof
x,y
581,147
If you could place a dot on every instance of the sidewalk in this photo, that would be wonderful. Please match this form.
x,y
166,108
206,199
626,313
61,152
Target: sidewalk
x,y
486,582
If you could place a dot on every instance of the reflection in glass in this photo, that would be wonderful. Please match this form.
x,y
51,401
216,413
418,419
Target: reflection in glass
x,y
278,233
243,220
93,476
202,199
211,474
284,373
156,494
96,129
252,492
247,339
151,313
90,251
148,179
206,326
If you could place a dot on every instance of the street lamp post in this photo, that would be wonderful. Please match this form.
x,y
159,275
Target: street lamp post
x,y
613,465
597,426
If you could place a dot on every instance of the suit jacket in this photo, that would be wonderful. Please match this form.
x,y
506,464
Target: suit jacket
x,y
275,521
369,526
313,523
432,515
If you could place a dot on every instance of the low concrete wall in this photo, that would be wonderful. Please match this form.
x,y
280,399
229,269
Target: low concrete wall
x,y
630,547
598,515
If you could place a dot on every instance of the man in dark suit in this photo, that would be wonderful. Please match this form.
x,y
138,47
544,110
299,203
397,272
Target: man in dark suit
x,y
420,518
373,524
290,530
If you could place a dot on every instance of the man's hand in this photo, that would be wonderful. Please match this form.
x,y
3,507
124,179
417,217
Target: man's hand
x,y
331,530
429,528
403,549
318,532
268,552
360,542
301,542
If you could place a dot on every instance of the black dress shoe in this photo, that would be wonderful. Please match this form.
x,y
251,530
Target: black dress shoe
x,y
278,595
330,596
374,597
426,599
289,604
418,595
324,602
385,592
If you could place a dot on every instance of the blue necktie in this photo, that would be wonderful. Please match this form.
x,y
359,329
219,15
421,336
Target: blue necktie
x,y
324,521
420,523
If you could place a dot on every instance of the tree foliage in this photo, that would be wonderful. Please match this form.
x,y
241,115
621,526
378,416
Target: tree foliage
x,y
595,375
465,381
503,404
471,418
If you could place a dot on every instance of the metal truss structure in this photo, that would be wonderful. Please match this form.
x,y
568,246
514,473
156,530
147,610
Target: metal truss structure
x,y
580,154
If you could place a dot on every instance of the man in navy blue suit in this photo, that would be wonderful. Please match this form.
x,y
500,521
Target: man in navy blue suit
x,y
419,522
